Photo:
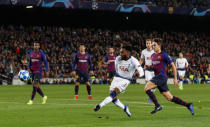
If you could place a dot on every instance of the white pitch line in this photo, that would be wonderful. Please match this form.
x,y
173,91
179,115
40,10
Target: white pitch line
x,y
150,105
131,102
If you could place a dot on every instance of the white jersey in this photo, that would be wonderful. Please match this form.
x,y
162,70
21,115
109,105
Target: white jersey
x,y
181,63
146,55
126,68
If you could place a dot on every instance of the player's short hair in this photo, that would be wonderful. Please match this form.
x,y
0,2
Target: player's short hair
x,y
159,41
149,39
81,44
128,48
37,42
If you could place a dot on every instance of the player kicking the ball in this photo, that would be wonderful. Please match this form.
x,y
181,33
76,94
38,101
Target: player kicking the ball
x,y
125,66
159,61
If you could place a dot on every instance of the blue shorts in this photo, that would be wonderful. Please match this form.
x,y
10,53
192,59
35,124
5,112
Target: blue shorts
x,y
111,74
161,82
82,76
36,76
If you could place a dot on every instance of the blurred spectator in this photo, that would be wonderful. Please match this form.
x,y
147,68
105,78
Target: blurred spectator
x,y
60,46
170,3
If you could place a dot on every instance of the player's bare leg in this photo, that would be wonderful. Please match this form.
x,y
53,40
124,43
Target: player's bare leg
x,y
149,86
89,90
76,89
181,83
177,100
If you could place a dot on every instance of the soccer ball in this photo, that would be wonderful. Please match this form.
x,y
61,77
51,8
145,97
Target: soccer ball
x,y
23,75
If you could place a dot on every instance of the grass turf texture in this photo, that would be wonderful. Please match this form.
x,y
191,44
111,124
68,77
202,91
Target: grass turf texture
x,y
62,111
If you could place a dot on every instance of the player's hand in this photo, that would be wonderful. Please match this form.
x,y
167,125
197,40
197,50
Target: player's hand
x,y
136,74
47,74
73,73
29,71
176,82
91,73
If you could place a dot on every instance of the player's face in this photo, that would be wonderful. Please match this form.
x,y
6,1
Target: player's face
x,y
82,48
124,53
156,47
180,55
36,46
149,44
111,50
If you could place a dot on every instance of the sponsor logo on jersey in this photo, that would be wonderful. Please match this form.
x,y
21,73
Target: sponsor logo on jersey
x,y
82,61
155,62
123,69
34,60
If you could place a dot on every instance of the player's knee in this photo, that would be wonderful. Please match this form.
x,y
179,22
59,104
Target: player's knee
x,y
146,89
77,83
36,83
169,98
87,83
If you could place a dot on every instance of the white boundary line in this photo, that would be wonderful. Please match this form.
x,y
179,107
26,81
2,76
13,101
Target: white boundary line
x,y
66,104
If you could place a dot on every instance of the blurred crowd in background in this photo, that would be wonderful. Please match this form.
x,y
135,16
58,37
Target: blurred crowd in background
x,y
60,45
169,3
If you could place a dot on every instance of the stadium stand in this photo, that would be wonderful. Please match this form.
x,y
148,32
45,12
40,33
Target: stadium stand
x,y
60,45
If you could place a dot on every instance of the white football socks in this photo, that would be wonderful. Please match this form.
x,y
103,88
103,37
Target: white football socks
x,y
119,104
106,101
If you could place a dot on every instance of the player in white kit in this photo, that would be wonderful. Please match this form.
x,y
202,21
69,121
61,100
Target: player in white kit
x,y
146,57
125,66
181,65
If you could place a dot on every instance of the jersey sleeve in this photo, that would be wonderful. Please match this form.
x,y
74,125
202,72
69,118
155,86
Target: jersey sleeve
x,y
74,63
186,63
116,63
90,63
29,61
45,61
138,67
142,55
167,58
176,63
106,58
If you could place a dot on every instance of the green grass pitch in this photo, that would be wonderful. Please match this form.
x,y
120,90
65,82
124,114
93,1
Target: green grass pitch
x,y
62,111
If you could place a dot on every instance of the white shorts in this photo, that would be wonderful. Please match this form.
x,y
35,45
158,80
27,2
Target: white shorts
x,y
119,83
181,73
149,75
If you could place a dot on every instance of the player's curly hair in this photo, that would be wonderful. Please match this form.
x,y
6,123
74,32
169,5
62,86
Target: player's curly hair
x,y
127,47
